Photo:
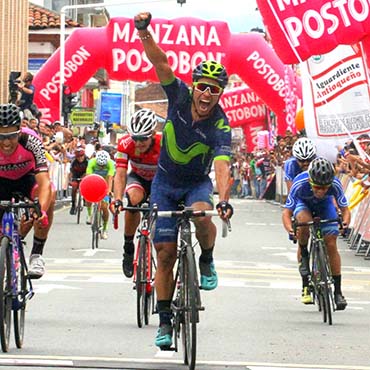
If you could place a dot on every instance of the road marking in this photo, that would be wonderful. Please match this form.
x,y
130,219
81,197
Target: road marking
x,y
47,288
164,354
89,252
83,361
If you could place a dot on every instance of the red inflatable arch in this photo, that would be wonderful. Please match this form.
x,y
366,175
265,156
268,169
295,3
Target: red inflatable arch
x,y
186,41
300,29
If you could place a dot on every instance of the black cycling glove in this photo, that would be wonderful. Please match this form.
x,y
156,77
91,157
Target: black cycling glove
x,y
224,207
143,24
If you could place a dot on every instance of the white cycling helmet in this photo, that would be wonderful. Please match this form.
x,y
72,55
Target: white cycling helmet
x,y
102,157
142,123
304,149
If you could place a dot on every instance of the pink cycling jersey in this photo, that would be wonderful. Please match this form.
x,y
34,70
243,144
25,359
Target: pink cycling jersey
x,y
143,164
29,157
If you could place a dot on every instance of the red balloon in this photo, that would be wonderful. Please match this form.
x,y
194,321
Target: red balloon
x,y
93,188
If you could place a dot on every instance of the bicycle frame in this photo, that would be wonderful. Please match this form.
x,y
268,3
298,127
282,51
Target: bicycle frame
x,y
16,285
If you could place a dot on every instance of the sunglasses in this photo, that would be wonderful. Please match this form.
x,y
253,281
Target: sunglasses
x,y
304,161
140,138
203,87
9,135
319,187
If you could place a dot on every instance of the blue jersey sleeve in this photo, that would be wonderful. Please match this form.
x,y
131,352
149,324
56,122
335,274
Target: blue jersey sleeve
x,y
339,193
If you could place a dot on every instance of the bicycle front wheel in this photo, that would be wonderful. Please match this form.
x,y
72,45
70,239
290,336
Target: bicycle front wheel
x,y
5,294
140,281
189,326
150,291
19,312
325,289
79,206
95,227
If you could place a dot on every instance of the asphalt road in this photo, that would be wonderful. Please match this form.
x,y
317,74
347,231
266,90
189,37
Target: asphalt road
x,y
83,313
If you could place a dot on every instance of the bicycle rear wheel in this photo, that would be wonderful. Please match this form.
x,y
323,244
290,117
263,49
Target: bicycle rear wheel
x,y
19,312
5,294
189,325
140,282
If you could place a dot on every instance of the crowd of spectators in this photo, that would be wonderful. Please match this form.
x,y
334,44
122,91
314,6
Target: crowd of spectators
x,y
251,172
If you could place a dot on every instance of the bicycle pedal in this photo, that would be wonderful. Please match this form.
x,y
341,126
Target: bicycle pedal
x,y
167,348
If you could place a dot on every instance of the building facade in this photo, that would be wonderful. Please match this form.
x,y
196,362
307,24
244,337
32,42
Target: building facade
x,y
13,42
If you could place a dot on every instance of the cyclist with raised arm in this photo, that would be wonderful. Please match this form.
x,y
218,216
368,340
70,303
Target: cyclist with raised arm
x,y
304,151
24,173
77,171
195,134
139,148
104,166
312,194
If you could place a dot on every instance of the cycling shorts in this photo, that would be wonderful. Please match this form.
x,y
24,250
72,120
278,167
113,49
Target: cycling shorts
x,y
136,181
324,210
167,197
24,186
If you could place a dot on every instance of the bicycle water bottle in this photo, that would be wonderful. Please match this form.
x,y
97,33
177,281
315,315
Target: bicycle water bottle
x,y
7,223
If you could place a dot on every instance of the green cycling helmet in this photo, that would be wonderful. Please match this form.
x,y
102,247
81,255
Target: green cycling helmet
x,y
211,69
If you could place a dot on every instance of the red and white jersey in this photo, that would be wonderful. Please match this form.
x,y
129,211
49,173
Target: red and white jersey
x,y
143,164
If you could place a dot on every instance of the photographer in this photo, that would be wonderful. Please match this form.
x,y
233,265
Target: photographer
x,y
27,91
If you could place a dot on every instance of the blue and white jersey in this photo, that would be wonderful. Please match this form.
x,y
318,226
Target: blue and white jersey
x,y
188,148
291,169
301,191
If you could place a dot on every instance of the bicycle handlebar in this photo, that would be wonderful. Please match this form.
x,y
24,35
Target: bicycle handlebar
x,y
10,204
190,213
317,221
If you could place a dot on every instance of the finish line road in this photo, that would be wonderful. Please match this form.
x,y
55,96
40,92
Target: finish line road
x,y
83,314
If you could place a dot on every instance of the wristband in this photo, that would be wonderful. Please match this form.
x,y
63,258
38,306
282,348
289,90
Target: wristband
x,y
45,220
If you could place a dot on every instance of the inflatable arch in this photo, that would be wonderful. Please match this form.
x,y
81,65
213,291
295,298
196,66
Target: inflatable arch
x,y
300,29
186,41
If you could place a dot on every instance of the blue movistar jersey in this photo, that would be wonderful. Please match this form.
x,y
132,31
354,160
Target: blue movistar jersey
x,y
188,147
301,192
291,169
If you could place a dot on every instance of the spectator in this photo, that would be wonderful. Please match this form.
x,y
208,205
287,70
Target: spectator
x,y
27,91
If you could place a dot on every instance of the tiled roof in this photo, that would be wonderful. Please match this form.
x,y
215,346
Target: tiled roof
x,y
41,18
153,91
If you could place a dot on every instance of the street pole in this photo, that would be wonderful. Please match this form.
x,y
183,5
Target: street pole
x,y
62,36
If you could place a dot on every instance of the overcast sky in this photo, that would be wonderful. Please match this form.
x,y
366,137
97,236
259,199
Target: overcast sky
x,y
241,16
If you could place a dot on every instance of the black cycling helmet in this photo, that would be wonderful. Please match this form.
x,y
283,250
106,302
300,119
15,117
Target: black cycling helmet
x,y
211,69
321,171
9,115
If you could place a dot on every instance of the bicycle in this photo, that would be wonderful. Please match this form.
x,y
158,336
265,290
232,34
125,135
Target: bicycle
x,y
321,280
96,225
144,266
15,284
187,300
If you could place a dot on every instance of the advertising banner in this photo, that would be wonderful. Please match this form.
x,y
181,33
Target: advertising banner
x,y
336,97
